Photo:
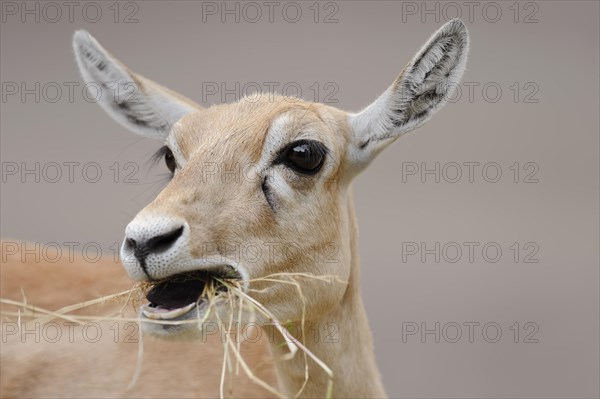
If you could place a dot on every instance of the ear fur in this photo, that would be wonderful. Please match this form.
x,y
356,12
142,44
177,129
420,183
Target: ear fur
x,y
137,103
422,88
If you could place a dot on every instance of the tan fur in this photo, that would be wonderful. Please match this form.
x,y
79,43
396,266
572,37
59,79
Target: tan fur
x,y
317,217
321,216
218,205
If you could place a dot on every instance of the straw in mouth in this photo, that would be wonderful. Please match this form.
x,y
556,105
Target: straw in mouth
x,y
178,294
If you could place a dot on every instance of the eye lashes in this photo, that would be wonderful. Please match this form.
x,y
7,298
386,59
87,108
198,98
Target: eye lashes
x,y
158,155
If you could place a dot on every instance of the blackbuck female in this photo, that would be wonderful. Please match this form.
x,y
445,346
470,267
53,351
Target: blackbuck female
x,y
297,161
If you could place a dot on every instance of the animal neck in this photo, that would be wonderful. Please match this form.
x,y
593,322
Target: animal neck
x,y
341,339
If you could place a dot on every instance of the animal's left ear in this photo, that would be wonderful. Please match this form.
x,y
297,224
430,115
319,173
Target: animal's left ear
x,y
422,88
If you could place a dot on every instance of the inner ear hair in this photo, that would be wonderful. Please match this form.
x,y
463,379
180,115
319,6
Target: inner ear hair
x,y
426,82
422,88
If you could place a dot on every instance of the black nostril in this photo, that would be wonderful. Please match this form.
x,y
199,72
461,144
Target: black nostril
x,y
163,242
130,243
141,249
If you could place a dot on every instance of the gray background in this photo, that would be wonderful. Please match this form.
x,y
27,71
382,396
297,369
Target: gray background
x,y
362,53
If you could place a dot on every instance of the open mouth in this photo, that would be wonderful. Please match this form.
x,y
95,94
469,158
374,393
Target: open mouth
x,y
174,297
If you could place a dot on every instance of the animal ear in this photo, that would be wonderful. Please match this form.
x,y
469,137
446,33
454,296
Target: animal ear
x,y
422,88
132,100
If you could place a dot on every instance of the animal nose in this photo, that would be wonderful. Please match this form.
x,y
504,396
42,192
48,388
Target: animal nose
x,y
152,244
160,243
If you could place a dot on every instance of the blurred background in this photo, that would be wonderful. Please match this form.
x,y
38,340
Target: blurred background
x,y
478,233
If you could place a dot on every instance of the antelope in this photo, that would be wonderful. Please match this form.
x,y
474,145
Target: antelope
x,y
298,160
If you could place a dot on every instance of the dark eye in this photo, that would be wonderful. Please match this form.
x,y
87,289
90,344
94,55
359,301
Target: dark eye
x,y
170,160
304,156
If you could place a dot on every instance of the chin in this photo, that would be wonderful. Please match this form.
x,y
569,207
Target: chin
x,y
171,330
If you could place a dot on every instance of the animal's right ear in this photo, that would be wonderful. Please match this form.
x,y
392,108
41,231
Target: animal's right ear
x,y
132,100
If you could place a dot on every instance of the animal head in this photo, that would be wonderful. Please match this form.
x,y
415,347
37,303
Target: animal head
x,y
259,186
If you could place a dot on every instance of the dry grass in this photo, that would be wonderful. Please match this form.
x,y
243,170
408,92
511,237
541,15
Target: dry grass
x,y
239,302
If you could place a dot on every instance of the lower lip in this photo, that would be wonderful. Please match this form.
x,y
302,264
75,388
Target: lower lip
x,y
166,314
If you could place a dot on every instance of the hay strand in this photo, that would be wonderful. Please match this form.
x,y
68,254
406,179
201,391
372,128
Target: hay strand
x,y
236,298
